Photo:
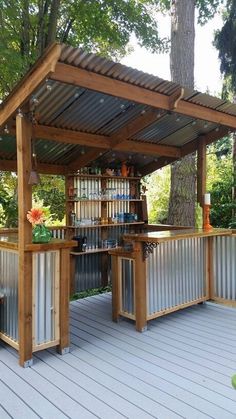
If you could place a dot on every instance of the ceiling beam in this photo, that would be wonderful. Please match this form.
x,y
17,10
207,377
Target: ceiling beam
x,y
49,169
84,160
136,125
102,142
148,148
71,137
185,150
39,72
87,79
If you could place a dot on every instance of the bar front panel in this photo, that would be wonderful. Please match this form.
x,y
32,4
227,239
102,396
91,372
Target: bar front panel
x,y
45,296
224,267
175,274
9,292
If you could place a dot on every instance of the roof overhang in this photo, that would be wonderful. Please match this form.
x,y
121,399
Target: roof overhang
x,y
92,110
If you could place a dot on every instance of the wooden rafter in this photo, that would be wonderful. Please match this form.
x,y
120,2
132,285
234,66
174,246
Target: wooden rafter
x,y
135,126
87,79
102,142
53,169
38,73
84,160
186,149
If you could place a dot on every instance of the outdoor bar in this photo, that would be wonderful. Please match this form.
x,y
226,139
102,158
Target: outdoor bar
x,y
168,271
104,126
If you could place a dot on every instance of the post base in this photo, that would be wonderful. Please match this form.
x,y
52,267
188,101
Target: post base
x,y
63,351
28,363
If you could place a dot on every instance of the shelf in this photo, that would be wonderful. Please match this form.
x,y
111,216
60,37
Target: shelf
x,y
104,200
105,225
104,177
90,251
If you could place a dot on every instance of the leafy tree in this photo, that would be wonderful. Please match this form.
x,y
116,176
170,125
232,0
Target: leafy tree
x,y
102,26
225,42
183,174
52,193
8,200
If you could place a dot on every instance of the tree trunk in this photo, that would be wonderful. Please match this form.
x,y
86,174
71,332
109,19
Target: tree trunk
x,y
183,173
25,37
52,23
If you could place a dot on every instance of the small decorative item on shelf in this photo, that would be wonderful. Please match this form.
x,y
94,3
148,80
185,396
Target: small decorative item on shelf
x,y
206,212
41,234
124,170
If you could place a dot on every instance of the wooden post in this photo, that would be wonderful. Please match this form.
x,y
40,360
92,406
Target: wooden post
x,y
209,269
23,138
201,172
115,288
140,288
63,347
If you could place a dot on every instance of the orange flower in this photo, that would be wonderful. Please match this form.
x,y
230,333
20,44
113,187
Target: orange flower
x,y
35,216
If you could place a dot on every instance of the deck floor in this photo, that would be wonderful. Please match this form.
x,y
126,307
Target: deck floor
x,y
180,368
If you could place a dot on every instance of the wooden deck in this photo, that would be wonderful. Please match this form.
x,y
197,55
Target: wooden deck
x,y
180,368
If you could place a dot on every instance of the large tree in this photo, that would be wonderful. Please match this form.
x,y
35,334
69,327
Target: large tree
x,y
102,26
183,173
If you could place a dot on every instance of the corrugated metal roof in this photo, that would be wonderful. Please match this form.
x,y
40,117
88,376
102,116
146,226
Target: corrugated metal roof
x,y
80,58
75,108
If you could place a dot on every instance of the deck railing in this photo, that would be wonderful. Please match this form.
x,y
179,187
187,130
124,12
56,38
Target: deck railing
x,y
224,269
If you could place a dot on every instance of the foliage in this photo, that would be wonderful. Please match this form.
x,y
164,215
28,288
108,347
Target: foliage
x,y
90,292
8,201
225,41
102,26
220,182
206,8
51,191
158,187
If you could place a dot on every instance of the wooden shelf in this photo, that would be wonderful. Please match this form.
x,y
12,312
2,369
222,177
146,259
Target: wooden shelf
x,y
104,177
104,200
106,225
90,251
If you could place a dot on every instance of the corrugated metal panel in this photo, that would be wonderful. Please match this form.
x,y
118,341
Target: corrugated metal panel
x,y
9,289
176,274
79,58
88,272
44,288
224,263
127,285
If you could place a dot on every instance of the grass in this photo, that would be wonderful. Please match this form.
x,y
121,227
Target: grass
x,y
90,292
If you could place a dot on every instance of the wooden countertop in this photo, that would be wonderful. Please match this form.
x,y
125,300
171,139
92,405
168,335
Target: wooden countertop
x,y
161,236
10,241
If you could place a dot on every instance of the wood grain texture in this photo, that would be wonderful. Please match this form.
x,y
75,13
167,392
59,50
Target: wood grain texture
x,y
23,136
64,299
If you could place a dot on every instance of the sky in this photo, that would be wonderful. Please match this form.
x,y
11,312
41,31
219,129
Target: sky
x,y
207,65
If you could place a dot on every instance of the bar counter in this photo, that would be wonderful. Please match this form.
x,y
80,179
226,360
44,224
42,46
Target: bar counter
x,y
160,272
46,294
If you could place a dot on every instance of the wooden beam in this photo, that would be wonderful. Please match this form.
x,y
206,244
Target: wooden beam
x,y
149,148
84,160
87,79
201,171
71,137
136,125
23,137
103,142
185,150
40,71
49,169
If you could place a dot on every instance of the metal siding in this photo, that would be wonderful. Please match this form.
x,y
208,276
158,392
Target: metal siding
x,y
88,270
127,284
44,268
224,267
9,289
176,274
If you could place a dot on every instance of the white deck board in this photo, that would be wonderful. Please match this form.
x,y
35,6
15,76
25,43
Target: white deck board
x,y
180,368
